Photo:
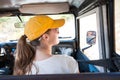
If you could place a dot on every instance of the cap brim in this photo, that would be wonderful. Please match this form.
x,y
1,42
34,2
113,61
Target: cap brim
x,y
58,23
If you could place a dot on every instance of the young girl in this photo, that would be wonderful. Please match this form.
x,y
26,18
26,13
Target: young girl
x,y
36,57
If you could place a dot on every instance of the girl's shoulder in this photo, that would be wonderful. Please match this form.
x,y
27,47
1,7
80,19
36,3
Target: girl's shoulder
x,y
65,57
59,55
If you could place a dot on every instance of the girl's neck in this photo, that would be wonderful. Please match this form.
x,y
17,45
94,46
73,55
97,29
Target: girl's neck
x,y
43,53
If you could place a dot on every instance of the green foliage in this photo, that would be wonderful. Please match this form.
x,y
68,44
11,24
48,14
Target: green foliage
x,y
4,19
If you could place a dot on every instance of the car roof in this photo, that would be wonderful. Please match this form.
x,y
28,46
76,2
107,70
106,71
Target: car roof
x,y
11,7
18,3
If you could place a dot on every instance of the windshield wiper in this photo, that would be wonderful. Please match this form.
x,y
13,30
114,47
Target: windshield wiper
x,y
64,37
13,40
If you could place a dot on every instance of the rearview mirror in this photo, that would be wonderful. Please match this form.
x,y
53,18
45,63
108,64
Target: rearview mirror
x,y
19,25
91,37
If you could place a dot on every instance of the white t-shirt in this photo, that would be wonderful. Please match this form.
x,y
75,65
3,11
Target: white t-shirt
x,y
57,64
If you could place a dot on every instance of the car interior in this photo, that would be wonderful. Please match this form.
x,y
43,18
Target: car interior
x,y
14,14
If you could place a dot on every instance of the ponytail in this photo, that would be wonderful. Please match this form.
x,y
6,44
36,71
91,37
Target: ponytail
x,y
25,54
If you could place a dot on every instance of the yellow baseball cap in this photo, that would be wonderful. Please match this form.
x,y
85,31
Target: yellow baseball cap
x,y
38,25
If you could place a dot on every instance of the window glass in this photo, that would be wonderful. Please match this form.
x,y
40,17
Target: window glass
x,y
8,31
89,23
67,32
117,26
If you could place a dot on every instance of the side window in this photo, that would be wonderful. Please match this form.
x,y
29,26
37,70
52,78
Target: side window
x,y
117,26
88,23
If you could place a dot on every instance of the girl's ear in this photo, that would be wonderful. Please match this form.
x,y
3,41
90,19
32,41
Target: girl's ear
x,y
45,36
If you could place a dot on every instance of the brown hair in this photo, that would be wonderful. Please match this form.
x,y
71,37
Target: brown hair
x,y
25,54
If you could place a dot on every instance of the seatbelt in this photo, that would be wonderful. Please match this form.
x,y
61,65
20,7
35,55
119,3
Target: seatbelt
x,y
107,63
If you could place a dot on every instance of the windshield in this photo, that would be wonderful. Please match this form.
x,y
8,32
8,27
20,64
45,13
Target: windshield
x,y
8,31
